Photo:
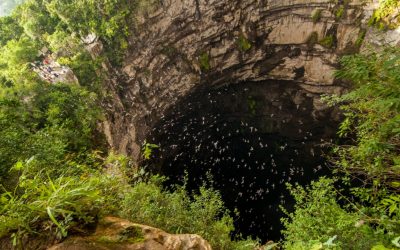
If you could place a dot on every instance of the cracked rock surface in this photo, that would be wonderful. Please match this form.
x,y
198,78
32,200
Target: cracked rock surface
x,y
187,44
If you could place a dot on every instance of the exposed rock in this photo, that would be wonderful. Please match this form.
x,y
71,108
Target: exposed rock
x,y
378,38
185,44
118,234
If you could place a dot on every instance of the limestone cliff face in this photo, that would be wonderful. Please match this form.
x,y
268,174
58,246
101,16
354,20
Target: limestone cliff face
x,y
185,44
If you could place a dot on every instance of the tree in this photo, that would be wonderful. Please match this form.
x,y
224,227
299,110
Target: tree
x,y
9,29
15,58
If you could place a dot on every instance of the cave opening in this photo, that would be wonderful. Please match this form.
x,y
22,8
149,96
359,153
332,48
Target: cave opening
x,y
252,138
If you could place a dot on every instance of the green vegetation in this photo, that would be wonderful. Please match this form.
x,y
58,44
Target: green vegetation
x,y
148,149
360,38
9,30
47,206
328,41
56,174
316,15
178,212
383,17
243,43
318,217
339,12
365,212
368,217
371,112
204,61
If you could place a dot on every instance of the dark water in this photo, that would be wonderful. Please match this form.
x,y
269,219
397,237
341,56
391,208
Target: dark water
x,y
252,138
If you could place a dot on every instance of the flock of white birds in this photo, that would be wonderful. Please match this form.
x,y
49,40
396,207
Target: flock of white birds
x,y
217,134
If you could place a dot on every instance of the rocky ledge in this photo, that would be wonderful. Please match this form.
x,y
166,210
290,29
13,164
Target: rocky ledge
x,y
117,234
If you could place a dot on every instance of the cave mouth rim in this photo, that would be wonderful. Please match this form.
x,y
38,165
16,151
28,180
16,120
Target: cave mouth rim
x,y
204,92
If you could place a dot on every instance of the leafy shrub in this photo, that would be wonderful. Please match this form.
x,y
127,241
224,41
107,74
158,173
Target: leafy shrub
x,y
372,114
52,206
383,18
44,126
371,111
50,157
147,149
318,217
9,30
177,212
15,57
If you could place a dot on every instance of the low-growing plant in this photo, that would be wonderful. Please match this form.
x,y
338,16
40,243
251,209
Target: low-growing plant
x,y
318,217
52,207
360,38
147,149
204,61
243,43
176,211
328,41
339,12
383,18
316,15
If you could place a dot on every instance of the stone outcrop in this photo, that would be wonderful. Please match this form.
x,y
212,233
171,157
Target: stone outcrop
x,y
186,44
117,234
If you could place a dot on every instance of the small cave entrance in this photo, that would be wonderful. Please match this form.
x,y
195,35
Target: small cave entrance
x,y
252,138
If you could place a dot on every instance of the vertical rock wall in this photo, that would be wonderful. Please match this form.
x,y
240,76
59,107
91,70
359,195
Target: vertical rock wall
x,y
186,44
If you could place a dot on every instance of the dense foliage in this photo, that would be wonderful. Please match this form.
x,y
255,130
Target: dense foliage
x,y
56,176
320,222
368,215
385,16
202,213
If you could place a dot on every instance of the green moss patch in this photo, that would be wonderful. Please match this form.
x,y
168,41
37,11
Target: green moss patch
x,y
130,234
204,61
328,41
316,15
340,12
360,38
243,43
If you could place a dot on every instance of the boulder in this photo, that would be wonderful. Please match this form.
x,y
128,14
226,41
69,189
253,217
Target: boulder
x,y
118,234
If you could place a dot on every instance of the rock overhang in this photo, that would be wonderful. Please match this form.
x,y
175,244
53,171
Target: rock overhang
x,y
184,44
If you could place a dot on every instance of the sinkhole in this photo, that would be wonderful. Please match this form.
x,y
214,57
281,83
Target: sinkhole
x,y
252,138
